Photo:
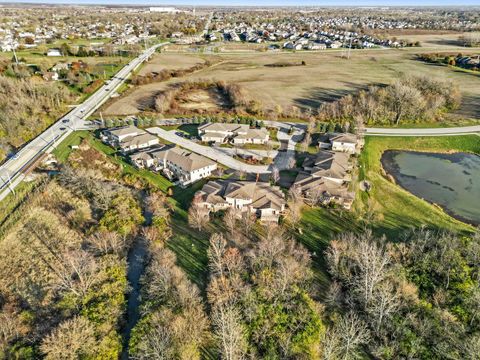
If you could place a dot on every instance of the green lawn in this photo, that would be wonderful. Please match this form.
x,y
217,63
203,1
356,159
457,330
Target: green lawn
x,y
396,209
63,150
190,245
317,228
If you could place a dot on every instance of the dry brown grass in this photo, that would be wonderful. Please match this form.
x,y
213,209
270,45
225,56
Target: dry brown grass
x,y
326,77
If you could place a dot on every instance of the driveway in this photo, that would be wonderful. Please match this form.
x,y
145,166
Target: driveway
x,y
284,158
210,152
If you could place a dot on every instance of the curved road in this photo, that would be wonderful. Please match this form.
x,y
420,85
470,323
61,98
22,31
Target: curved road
x,y
461,130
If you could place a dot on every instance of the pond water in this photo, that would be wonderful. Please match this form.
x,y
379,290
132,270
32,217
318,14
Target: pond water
x,y
449,180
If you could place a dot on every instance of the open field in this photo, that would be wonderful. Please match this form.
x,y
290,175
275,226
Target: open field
x,y
326,77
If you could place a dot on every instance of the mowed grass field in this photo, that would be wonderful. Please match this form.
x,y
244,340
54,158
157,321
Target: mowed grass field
x,y
325,77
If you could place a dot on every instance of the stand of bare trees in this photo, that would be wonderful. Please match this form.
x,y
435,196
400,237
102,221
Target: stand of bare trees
x,y
411,98
396,296
26,108
260,298
174,324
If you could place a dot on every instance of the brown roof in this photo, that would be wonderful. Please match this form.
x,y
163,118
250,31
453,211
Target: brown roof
x,y
185,160
221,127
262,195
328,187
125,130
328,163
138,139
254,134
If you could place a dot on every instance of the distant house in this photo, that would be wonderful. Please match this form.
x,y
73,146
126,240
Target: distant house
x,y
252,136
138,142
50,76
116,135
220,132
265,201
128,138
54,52
59,67
175,163
339,142
237,133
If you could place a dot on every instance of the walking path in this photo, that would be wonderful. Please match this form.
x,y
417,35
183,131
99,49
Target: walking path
x,y
460,130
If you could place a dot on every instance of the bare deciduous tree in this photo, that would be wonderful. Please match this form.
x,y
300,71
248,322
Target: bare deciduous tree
x,y
71,340
77,272
385,302
313,196
229,332
295,202
248,220
198,217
230,220
216,253
105,242
156,344
352,333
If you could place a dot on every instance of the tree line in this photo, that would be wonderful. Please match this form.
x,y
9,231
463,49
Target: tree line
x,y
410,98
27,107
417,297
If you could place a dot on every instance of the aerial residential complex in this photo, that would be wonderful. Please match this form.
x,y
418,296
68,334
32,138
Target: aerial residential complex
x,y
239,182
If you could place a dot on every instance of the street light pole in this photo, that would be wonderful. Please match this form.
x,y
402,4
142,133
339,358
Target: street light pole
x,y
9,183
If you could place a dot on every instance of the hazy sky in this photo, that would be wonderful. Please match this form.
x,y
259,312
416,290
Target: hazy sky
x,y
266,2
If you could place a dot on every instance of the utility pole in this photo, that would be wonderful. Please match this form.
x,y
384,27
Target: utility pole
x,y
9,182
15,54
349,48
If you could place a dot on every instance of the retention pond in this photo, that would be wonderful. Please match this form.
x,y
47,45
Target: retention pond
x,y
451,181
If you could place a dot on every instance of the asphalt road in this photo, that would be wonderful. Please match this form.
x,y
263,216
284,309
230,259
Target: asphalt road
x,y
461,130
11,171
209,152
